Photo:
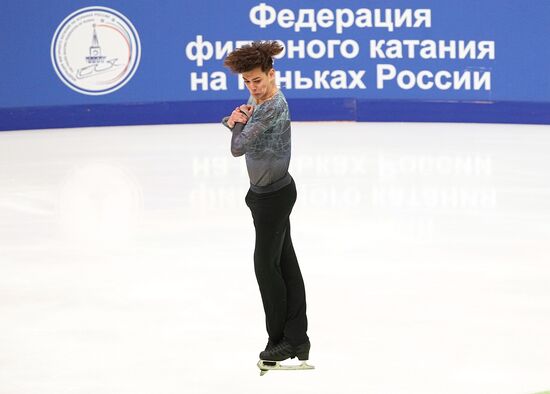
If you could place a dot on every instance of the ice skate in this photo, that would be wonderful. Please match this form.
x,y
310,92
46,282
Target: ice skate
x,y
266,366
270,359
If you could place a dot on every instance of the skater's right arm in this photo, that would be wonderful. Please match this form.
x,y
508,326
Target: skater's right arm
x,y
245,109
237,116
262,119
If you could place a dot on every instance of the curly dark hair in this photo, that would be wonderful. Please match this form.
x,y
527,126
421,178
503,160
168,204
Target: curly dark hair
x,y
251,56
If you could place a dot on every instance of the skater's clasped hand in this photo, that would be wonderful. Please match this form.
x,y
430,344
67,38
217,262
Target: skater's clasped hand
x,y
237,116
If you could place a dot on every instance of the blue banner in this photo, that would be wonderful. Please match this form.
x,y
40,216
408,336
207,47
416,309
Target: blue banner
x,y
168,55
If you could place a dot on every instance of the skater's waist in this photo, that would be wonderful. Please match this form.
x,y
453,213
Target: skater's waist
x,y
272,187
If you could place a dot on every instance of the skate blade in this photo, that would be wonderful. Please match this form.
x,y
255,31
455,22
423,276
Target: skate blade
x,y
265,366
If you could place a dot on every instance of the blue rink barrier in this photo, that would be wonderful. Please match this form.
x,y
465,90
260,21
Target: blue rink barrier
x,y
335,109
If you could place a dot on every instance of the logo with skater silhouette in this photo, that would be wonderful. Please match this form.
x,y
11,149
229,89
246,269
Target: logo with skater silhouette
x,y
95,50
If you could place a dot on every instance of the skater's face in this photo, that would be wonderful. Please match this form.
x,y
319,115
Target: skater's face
x,y
260,84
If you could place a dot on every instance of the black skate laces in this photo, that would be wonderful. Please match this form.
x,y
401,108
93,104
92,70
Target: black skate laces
x,y
281,346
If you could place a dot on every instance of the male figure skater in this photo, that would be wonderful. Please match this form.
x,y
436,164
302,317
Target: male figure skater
x,y
261,131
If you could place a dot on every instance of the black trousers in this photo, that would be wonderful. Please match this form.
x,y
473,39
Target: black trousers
x,y
276,266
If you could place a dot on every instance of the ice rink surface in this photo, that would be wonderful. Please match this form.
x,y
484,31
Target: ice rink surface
x,y
126,260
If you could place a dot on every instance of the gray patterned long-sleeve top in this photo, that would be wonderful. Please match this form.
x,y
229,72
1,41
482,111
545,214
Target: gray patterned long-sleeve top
x,y
265,142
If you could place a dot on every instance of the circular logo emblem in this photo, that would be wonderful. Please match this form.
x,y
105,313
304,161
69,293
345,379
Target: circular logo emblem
x,y
95,50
